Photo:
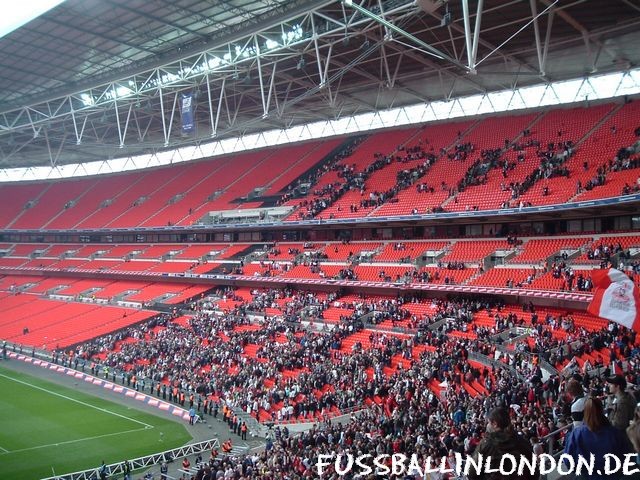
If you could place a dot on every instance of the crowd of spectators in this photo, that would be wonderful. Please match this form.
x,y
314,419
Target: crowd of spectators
x,y
626,158
604,251
416,405
570,280
477,173
353,180
552,157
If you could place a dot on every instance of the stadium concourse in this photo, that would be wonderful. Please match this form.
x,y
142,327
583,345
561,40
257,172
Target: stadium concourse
x,y
329,227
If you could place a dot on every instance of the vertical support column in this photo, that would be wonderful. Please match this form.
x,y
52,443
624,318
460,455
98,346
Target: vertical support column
x,y
547,39
210,105
164,122
536,31
467,32
272,84
222,90
265,110
314,36
476,37
173,111
75,123
126,126
115,106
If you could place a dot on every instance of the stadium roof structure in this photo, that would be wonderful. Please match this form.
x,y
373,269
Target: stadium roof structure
x,y
100,79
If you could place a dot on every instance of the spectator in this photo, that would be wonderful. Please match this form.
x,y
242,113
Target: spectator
x,y
102,471
596,437
623,405
576,392
164,470
501,439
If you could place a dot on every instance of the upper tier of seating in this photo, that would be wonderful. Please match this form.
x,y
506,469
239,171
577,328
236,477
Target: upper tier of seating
x,y
485,163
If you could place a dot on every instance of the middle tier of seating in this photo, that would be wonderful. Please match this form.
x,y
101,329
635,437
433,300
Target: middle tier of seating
x,y
544,263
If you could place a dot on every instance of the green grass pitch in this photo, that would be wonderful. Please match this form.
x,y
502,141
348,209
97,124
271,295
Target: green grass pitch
x,y
45,428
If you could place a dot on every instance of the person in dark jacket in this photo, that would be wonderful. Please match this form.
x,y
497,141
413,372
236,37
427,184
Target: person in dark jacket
x,y
624,404
500,439
633,432
597,437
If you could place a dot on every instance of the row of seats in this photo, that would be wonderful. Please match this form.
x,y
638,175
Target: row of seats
x,y
459,261
100,289
53,323
528,250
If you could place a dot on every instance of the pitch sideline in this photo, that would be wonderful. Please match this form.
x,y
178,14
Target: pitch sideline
x,y
146,425
67,442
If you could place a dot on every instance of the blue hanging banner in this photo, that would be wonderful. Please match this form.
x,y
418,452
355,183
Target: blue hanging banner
x,y
186,109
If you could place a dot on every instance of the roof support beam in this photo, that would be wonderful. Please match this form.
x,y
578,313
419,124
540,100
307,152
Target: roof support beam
x,y
210,105
507,58
46,138
476,34
385,62
547,40
272,83
75,124
115,106
472,43
517,32
265,108
423,45
467,32
164,121
219,109
635,7
314,36
586,35
433,65
536,30
173,111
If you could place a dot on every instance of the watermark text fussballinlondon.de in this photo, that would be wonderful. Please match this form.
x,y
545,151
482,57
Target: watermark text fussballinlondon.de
x,y
505,465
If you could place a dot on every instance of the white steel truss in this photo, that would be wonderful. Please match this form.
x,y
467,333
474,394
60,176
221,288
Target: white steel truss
x,y
312,70
592,88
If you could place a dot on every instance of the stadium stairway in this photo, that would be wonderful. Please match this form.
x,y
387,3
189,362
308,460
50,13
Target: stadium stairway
x,y
308,162
490,195
196,188
240,185
440,137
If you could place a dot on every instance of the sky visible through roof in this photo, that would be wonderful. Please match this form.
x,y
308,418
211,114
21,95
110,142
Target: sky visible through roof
x,y
18,13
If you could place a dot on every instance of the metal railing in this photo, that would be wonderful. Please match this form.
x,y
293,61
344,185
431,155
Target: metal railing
x,y
550,439
147,461
478,357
